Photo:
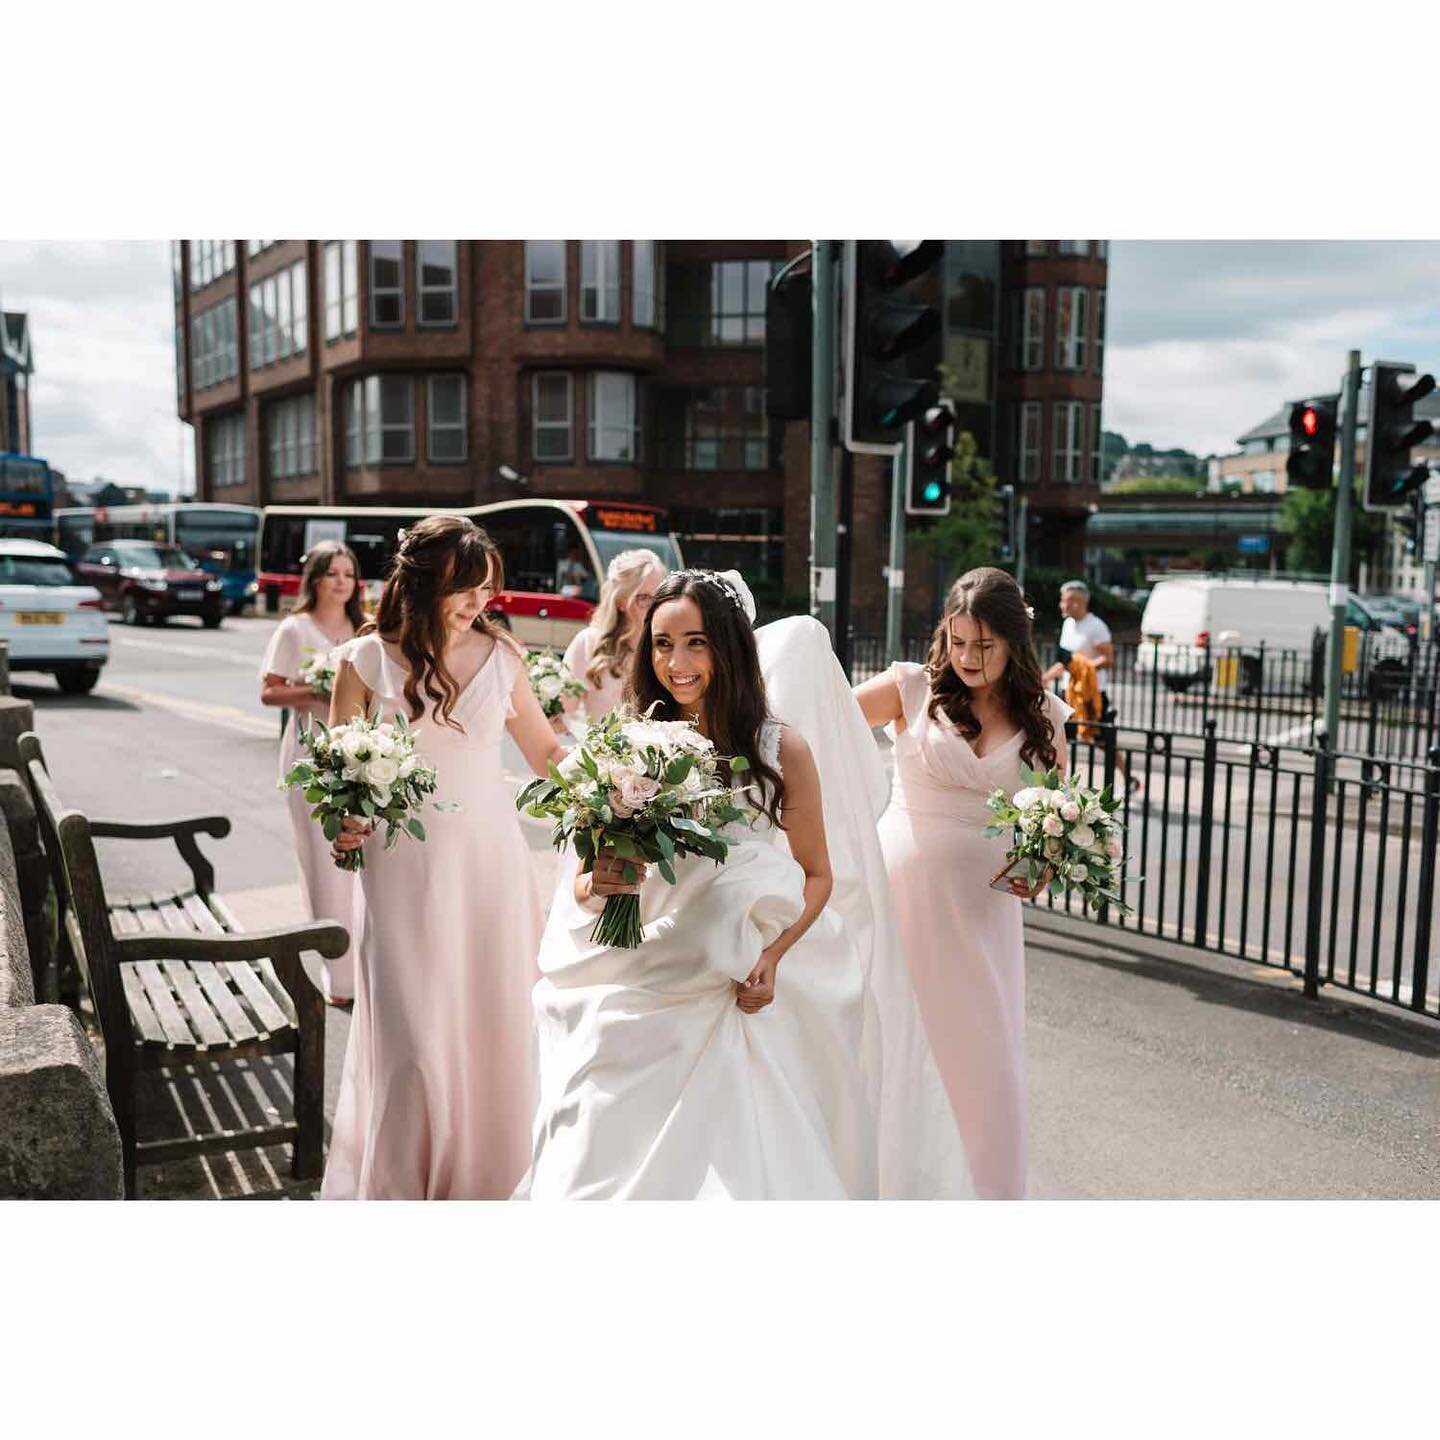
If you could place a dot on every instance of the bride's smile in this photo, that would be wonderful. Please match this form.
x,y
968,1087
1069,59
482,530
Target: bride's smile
x,y
681,653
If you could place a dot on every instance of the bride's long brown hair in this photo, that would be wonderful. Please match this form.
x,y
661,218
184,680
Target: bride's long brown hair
x,y
992,598
438,556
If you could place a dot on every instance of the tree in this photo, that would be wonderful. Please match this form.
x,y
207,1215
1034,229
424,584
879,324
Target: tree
x,y
1308,518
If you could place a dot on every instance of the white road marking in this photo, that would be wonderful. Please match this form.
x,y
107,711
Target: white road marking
x,y
224,717
125,641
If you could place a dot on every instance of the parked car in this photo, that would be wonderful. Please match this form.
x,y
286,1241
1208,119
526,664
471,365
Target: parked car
x,y
149,583
50,622
1188,621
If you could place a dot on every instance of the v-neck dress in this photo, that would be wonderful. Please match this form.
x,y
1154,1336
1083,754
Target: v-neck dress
x,y
330,893
964,942
438,1091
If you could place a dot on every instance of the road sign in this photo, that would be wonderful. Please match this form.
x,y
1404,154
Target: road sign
x,y
1431,550
1253,545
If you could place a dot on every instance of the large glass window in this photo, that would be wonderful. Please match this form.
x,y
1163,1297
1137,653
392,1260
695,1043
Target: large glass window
x,y
1027,443
719,302
1037,247
254,247
342,286
177,270
1102,249
437,274
290,428
600,281
179,365
209,260
646,288
214,348
718,427
445,418
545,282
550,419
387,283
1069,441
1032,343
614,421
225,451
1099,331
1095,439
1075,247
269,308
1070,327
380,421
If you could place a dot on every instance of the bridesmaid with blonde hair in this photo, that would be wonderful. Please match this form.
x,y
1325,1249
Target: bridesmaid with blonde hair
x,y
963,724
600,655
438,1091
327,615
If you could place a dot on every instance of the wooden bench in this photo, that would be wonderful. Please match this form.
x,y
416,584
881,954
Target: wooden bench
x,y
175,982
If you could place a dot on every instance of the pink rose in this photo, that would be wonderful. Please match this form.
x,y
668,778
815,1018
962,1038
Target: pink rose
x,y
1114,848
630,791
1053,825
1070,811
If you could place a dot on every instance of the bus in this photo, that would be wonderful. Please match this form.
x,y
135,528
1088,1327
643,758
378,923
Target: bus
x,y
27,497
555,551
225,539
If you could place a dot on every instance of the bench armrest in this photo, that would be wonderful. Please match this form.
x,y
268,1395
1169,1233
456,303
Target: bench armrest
x,y
182,832
323,937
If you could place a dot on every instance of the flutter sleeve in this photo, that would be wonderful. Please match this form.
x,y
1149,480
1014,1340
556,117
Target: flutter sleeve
x,y
365,657
282,655
914,685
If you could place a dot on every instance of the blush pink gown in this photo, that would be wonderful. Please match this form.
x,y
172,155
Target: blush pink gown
x,y
599,700
438,1092
964,942
330,894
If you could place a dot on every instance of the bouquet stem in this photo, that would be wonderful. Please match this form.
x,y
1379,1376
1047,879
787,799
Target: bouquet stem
x,y
619,923
352,859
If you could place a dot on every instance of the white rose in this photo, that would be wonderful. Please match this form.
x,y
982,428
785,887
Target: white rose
x,y
1053,825
1027,798
1114,847
1070,811
550,687
570,767
408,766
381,772
1082,836
1093,815
694,782
1054,798
1078,872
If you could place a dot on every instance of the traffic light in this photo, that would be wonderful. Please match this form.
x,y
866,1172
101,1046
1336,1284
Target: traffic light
x,y
1392,431
1311,460
893,338
1009,522
787,348
1410,521
929,449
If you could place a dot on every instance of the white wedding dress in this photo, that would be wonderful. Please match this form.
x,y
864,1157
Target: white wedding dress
x,y
655,1085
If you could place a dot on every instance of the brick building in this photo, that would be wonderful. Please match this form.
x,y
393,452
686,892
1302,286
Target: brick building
x,y
16,368
424,372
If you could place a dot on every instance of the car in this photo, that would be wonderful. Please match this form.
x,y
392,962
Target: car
x,y
149,582
51,623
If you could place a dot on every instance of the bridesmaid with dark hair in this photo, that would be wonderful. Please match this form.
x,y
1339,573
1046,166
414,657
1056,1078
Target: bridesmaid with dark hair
x,y
963,724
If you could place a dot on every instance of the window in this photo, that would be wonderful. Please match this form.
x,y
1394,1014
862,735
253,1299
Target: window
x,y
290,426
600,281
177,270
1027,443
436,281
1069,440
255,247
268,308
1264,482
1070,327
214,349
550,438
720,302
1095,439
720,427
645,292
209,260
445,418
1102,249
380,421
1037,247
1032,343
341,288
1075,247
614,428
180,365
387,283
283,334
1099,331
545,282
225,451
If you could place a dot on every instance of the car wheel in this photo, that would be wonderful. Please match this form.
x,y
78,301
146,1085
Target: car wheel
x,y
211,622
79,681
130,611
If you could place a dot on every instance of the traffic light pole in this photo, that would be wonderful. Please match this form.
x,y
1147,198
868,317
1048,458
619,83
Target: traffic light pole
x,y
1340,553
823,519
895,592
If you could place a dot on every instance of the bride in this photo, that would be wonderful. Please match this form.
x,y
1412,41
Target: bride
x,y
762,1043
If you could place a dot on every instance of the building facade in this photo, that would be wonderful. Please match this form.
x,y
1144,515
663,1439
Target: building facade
x,y
427,371
16,368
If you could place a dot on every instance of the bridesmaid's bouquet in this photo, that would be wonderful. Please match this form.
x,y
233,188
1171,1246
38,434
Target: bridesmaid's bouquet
x,y
318,671
1065,835
648,790
365,769
551,680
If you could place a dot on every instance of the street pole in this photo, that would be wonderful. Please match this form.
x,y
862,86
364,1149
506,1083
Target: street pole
x,y
895,593
1024,528
1340,554
823,519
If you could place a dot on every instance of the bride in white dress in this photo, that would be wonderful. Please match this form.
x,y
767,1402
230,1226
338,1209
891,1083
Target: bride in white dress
x,y
748,1047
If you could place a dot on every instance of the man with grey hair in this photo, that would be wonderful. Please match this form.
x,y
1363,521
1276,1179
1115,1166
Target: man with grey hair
x,y
1081,633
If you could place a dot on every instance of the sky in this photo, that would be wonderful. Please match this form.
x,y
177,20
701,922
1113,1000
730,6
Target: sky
x,y
1203,340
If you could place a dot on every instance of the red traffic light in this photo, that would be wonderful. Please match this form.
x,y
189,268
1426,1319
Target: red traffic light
x,y
1310,420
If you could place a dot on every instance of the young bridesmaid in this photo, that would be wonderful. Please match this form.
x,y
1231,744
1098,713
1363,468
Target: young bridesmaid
x,y
600,654
963,724
328,614
438,1091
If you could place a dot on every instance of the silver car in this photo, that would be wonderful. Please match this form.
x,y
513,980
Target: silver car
x,y
49,622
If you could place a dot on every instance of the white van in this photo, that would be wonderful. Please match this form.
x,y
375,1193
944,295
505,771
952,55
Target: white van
x,y
1188,620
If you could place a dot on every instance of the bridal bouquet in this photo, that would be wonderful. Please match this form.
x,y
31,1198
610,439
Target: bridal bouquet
x,y
318,671
368,770
1065,835
648,790
551,680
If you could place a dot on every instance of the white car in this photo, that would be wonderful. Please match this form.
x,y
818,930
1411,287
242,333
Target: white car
x,y
49,622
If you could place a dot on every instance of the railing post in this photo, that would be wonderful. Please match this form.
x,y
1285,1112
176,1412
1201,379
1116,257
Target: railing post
x,y
1154,683
1260,695
1208,771
1425,889
1315,889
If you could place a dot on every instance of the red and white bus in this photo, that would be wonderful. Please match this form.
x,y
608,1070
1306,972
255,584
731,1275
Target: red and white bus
x,y
556,552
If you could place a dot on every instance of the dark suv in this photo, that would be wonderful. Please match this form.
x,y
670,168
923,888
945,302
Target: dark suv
x,y
149,583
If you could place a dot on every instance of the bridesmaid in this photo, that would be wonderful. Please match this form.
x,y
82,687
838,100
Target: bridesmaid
x,y
438,1092
327,615
600,654
963,723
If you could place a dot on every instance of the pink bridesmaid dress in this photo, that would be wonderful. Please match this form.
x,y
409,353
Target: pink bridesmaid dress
x,y
330,894
599,699
964,941
438,1092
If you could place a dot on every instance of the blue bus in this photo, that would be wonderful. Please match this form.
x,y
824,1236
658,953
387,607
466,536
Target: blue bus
x,y
225,539
27,497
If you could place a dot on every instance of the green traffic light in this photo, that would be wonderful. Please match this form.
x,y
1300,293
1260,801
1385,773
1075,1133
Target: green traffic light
x,y
932,491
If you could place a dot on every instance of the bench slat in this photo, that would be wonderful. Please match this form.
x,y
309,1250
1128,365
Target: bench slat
x,y
174,914
141,1013
198,1013
276,987
201,916
157,991
212,982
262,1002
123,921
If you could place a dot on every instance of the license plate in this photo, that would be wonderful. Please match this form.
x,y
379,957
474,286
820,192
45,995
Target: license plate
x,y
188,595
39,617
